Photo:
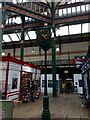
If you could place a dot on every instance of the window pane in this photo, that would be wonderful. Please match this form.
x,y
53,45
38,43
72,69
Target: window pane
x,y
73,10
73,1
26,37
32,34
6,38
62,31
85,28
69,10
87,7
78,8
75,29
77,0
14,37
64,11
83,8
60,12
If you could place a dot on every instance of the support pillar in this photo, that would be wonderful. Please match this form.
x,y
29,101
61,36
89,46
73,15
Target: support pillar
x,y
22,39
1,27
53,50
1,35
46,113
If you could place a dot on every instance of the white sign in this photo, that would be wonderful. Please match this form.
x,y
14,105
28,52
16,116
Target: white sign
x,y
14,66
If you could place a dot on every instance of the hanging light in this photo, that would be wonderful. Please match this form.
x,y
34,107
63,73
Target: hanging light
x,y
3,53
57,49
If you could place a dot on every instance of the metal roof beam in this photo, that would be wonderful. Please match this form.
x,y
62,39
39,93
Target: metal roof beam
x,y
27,12
60,39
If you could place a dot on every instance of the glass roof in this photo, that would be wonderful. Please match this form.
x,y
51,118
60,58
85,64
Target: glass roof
x,y
62,31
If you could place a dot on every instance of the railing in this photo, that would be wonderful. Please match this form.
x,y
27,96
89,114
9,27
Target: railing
x,y
63,11
49,62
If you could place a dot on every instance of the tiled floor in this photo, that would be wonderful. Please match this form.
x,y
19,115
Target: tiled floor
x,y
63,106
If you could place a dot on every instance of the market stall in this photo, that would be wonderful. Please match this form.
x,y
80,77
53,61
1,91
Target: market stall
x,y
16,77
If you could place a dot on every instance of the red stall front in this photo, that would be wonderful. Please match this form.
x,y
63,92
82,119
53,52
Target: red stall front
x,y
16,77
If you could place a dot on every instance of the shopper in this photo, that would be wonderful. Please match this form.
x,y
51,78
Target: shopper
x,y
32,91
63,87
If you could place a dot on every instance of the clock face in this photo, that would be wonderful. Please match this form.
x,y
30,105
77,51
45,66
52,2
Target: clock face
x,y
44,39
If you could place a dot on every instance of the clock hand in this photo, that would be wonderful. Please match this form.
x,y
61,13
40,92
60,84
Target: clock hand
x,y
44,36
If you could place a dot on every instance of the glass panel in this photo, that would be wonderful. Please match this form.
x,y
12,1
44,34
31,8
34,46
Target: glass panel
x,y
10,20
60,12
15,1
69,10
83,8
87,7
78,9
77,0
32,34
73,1
85,28
62,31
73,10
82,0
75,29
6,38
26,37
26,18
14,37
65,11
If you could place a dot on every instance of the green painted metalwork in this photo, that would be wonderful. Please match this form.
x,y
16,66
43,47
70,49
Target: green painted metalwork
x,y
22,39
1,28
44,38
53,50
45,42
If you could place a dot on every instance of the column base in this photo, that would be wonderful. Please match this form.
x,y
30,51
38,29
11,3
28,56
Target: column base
x,y
46,112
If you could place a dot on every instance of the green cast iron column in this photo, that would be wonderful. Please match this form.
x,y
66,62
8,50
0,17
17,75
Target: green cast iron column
x,y
45,87
53,50
1,27
46,112
22,39
1,35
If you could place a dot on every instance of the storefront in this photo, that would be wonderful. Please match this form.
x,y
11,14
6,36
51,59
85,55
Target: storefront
x,y
86,77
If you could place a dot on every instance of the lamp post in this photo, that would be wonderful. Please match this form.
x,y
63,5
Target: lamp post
x,y
44,41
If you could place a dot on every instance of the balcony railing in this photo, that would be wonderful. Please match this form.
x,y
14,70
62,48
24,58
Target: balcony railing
x,y
49,62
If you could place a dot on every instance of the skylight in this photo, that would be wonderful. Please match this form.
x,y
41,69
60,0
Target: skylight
x,y
6,38
14,37
75,29
62,31
32,34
